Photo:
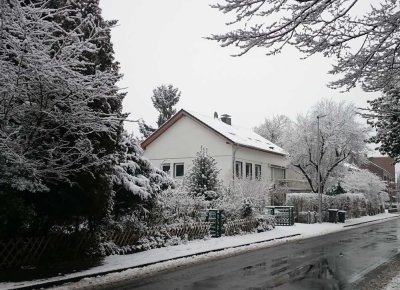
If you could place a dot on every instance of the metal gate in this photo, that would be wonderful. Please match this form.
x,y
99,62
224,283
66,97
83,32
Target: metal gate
x,y
283,215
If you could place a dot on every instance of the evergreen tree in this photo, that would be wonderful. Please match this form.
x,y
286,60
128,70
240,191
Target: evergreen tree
x,y
384,116
164,99
84,15
60,110
136,181
203,176
145,130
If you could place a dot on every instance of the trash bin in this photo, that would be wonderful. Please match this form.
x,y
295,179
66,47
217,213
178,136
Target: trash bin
x,y
341,216
333,215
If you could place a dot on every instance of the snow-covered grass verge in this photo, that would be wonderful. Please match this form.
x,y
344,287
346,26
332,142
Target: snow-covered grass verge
x,y
217,248
394,284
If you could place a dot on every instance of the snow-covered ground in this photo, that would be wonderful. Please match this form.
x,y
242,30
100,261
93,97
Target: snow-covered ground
x,y
394,284
195,252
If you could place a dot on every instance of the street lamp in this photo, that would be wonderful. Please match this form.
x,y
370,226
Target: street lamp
x,y
318,170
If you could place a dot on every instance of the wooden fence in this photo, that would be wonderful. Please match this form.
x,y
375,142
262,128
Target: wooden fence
x,y
29,251
32,251
239,226
190,231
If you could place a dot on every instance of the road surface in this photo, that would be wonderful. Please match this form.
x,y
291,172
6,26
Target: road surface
x,y
333,261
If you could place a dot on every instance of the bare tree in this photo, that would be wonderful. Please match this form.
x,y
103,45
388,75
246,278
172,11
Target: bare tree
x,y
363,36
341,138
274,129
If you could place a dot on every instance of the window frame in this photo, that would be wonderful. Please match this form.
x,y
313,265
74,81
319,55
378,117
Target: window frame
x,y
273,177
166,164
183,172
249,173
257,173
240,164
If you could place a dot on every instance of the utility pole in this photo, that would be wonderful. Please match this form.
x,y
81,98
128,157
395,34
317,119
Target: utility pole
x,y
318,171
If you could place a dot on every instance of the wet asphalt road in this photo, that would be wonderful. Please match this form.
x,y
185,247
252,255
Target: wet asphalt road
x,y
332,261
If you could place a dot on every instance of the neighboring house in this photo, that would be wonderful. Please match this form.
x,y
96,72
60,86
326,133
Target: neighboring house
x,y
238,152
384,167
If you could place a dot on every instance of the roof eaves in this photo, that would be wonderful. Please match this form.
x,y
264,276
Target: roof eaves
x,y
260,149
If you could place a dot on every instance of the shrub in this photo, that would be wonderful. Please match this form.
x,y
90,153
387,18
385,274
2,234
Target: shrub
x,y
244,198
353,203
174,206
370,185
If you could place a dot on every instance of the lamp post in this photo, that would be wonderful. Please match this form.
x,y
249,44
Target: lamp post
x,y
318,171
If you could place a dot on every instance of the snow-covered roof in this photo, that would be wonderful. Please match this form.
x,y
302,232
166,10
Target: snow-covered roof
x,y
238,135
351,166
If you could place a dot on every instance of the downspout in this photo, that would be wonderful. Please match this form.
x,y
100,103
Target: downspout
x,y
235,147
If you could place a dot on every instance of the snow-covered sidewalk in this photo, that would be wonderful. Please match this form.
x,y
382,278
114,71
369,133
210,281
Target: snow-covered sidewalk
x,y
143,263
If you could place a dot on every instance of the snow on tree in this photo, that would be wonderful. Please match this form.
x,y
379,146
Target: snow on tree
x,y
164,99
244,197
383,115
202,179
341,138
46,116
178,205
361,35
145,129
364,181
136,181
274,129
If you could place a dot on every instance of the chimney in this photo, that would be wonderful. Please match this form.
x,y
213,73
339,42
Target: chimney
x,y
226,119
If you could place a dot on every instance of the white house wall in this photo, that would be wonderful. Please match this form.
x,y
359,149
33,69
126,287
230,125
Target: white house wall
x,y
181,142
265,159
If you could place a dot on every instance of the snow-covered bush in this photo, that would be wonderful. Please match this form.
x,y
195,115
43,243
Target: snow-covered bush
x,y
373,188
243,198
174,206
353,203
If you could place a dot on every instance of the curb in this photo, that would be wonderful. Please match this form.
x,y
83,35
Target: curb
x,y
48,284
77,278
356,224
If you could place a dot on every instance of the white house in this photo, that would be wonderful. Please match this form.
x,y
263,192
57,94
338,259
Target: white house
x,y
238,152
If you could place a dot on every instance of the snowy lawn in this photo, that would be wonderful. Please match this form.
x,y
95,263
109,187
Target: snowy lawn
x,y
218,247
394,284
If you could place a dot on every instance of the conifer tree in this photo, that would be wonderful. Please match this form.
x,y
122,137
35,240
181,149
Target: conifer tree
x,y
60,109
203,176
145,129
164,99
136,181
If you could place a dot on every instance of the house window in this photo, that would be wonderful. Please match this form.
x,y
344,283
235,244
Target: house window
x,y
179,169
278,173
239,169
257,169
249,170
166,167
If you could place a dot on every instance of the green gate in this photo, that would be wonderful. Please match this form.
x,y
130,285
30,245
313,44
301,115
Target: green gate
x,y
283,214
214,216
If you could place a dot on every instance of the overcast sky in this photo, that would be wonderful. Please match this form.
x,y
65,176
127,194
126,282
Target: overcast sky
x,y
162,42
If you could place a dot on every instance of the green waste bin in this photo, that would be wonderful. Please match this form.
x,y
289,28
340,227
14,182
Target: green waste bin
x,y
333,213
341,216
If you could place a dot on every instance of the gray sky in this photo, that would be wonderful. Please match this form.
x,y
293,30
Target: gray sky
x,y
161,42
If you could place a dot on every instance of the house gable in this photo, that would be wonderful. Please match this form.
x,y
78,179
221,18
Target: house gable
x,y
240,137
